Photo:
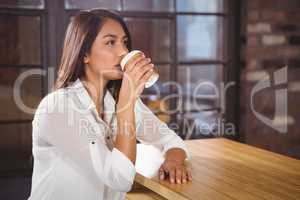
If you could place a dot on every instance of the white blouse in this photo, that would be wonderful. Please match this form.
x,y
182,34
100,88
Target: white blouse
x,y
72,158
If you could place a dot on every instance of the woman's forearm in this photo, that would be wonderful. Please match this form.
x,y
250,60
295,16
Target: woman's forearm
x,y
126,136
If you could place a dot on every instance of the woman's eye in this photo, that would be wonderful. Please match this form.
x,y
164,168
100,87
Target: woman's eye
x,y
111,42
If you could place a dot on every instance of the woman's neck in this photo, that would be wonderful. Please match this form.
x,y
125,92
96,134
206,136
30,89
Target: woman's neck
x,y
96,88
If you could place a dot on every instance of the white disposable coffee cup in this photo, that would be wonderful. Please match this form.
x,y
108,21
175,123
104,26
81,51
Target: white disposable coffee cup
x,y
133,54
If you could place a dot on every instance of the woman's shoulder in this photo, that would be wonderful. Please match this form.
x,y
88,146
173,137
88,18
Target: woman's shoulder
x,y
53,100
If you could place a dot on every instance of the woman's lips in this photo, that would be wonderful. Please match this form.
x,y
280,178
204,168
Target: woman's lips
x,y
119,67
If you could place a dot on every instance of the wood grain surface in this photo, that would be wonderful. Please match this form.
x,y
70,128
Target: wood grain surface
x,y
225,169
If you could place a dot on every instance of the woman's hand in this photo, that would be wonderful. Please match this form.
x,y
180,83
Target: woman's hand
x,y
174,167
176,172
137,71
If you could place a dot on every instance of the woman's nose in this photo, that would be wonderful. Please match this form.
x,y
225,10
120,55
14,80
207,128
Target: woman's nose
x,y
123,51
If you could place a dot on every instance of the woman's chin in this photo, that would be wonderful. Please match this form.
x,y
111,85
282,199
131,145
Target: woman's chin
x,y
115,76
111,74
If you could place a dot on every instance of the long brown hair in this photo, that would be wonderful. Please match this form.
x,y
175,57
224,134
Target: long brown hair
x,y
80,35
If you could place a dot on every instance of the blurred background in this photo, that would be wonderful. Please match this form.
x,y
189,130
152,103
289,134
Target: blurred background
x,y
223,42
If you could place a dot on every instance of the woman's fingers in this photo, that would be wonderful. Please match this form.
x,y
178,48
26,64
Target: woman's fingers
x,y
147,74
143,70
178,175
189,173
161,173
184,176
181,175
140,67
141,63
172,175
130,65
138,64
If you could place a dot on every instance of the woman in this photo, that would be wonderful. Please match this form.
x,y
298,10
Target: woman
x,y
85,131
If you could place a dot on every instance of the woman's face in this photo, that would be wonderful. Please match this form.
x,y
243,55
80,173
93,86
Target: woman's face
x,y
107,51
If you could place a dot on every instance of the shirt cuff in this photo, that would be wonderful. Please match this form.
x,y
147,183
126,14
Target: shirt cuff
x,y
125,166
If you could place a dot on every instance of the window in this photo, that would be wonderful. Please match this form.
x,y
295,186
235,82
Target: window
x,y
22,4
88,4
21,50
186,40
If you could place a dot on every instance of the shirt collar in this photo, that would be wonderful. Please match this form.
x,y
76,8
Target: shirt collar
x,y
87,102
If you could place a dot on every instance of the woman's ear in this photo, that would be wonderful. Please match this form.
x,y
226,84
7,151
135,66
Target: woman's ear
x,y
86,59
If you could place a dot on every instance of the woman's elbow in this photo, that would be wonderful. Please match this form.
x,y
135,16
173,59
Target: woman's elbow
x,y
120,184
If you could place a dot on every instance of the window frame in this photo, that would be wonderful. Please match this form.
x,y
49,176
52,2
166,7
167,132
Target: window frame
x,y
54,18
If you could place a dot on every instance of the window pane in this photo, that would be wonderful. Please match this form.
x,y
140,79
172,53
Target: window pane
x,y
199,37
15,146
155,96
200,124
91,4
200,86
151,36
31,4
200,5
26,98
159,107
146,5
161,86
20,40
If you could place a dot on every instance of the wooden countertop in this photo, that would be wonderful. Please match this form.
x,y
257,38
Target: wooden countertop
x,y
225,169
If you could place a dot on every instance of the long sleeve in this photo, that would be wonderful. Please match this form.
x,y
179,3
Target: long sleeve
x,y
151,130
77,137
